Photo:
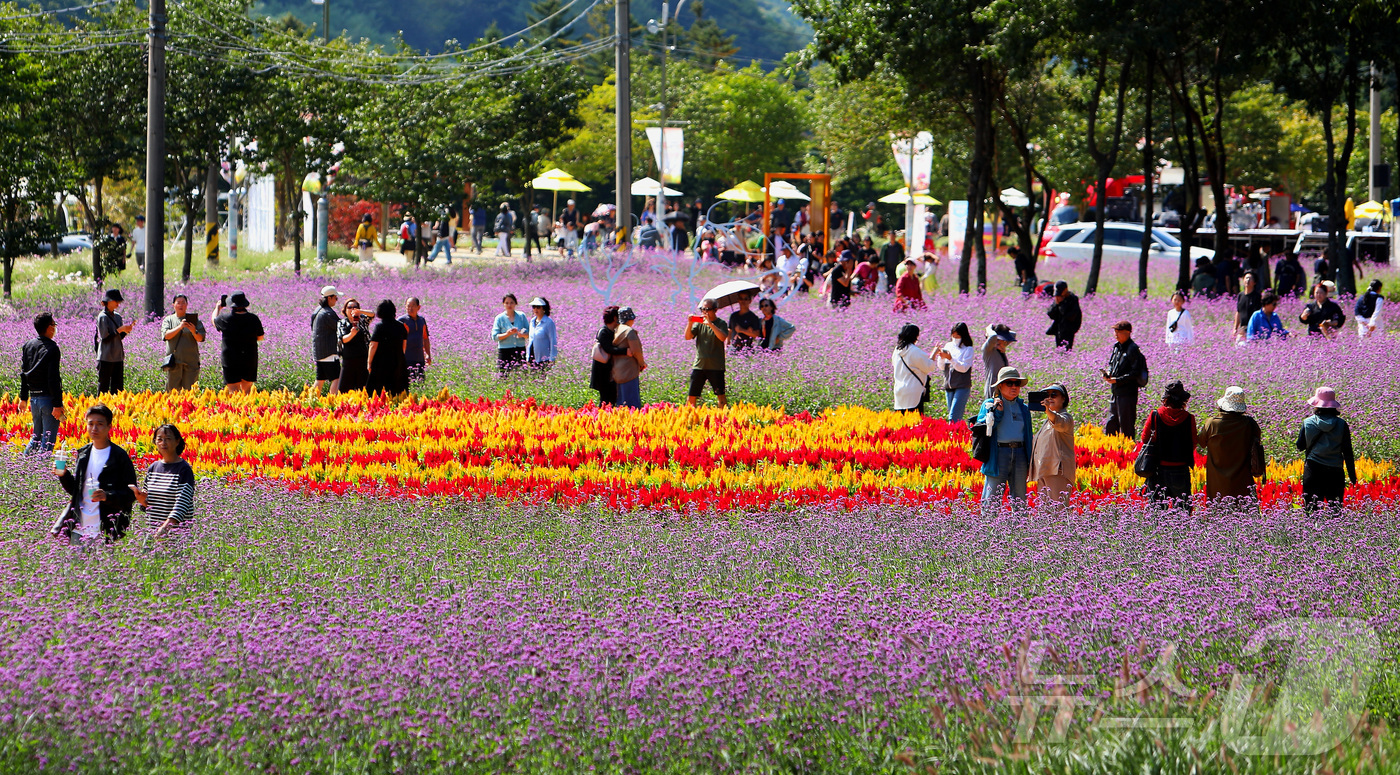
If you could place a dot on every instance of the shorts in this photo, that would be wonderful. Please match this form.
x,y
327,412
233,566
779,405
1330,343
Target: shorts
x,y
327,371
698,378
243,372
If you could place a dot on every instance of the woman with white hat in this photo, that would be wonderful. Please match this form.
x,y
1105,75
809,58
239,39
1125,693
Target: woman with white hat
x,y
543,346
1326,439
1008,422
1229,438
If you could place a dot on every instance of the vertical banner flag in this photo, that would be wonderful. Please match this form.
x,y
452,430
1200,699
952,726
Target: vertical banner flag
x,y
922,168
915,248
675,152
957,228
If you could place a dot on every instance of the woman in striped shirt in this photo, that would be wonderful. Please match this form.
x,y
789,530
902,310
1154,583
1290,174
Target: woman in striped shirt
x,y
169,495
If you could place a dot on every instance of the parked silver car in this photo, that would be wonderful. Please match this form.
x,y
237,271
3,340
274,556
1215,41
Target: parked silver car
x,y
1121,242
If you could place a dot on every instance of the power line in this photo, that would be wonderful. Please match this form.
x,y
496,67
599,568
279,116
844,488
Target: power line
x,y
57,11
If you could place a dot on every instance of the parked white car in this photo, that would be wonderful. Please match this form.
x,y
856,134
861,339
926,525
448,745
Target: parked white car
x,y
1121,242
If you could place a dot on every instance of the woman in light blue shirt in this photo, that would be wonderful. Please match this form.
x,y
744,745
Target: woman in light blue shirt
x,y
544,338
509,331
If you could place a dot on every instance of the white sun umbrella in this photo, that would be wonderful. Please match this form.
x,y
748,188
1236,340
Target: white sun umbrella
x,y
727,294
649,187
1012,197
781,189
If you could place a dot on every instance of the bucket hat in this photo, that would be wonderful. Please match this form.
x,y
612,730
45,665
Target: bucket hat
x,y
1324,398
1233,400
1009,374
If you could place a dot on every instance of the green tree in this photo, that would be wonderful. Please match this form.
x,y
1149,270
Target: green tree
x,y
590,155
552,16
743,123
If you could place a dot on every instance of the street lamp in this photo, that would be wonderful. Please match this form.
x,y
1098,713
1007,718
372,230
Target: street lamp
x,y
326,16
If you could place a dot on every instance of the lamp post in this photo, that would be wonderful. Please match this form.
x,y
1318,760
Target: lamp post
x,y
325,16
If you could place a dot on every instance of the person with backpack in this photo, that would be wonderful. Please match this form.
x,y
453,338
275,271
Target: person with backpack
x,y
107,343
1169,440
365,237
1368,310
1126,374
1230,439
503,227
408,238
1325,438
537,225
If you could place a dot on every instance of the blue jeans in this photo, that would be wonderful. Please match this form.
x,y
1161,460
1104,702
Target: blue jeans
x,y
957,403
45,425
1015,464
443,245
630,394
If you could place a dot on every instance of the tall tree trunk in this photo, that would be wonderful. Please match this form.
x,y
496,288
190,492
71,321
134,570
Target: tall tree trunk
x,y
298,218
1149,169
190,205
1346,277
1104,160
9,275
100,211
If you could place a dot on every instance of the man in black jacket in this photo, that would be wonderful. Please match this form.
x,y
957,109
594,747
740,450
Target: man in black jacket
x,y
892,255
1065,315
325,342
1126,373
99,482
41,384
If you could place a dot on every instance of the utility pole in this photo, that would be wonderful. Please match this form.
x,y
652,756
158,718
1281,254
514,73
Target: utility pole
x,y
325,17
623,111
155,163
661,167
211,214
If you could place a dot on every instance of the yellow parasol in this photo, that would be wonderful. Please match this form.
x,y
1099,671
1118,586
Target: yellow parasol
x,y
748,191
1371,209
557,180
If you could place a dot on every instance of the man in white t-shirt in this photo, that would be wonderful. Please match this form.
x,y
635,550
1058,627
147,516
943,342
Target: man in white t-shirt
x,y
138,242
99,479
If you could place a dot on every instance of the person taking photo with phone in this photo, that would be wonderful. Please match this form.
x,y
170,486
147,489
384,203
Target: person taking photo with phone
x,y
182,332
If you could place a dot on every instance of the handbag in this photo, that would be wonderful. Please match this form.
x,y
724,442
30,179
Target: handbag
x,y
981,450
1147,461
599,355
168,362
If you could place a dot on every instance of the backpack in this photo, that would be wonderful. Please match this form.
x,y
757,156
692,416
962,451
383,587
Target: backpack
x,y
1144,376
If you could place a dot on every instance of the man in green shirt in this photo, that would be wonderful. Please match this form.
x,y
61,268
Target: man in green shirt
x,y
710,333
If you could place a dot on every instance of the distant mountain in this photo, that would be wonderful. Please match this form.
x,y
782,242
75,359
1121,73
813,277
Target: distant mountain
x,y
763,29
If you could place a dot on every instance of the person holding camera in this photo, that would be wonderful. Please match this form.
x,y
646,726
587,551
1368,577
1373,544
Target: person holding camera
x,y
352,331
912,369
710,334
1008,422
242,331
1126,374
182,333
98,482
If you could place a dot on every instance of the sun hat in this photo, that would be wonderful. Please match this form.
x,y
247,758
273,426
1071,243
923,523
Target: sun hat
x,y
572,202
112,294
626,314
329,290
1329,285
238,299
1002,331
538,302
1010,374
1176,391
1233,400
1324,398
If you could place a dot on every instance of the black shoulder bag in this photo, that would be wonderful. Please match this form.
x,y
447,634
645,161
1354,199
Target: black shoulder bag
x,y
923,399
1147,461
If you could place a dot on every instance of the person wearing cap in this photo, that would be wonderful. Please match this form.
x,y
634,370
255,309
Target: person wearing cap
x,y
242,331
1172,429
1065,316
710,335
1179,329
542,347
1265,322
1126,373
442,228
1008,422
1325,438
1228,439
183,332
912,368
325,342
628,365
1368,310
41,384
107,343
1053,464
510,329
366,237
1323,316
568,225
955,360
999,337
418,347
408,238
839,279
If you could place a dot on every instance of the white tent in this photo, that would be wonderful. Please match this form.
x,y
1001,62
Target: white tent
x,y
781,189
649,187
